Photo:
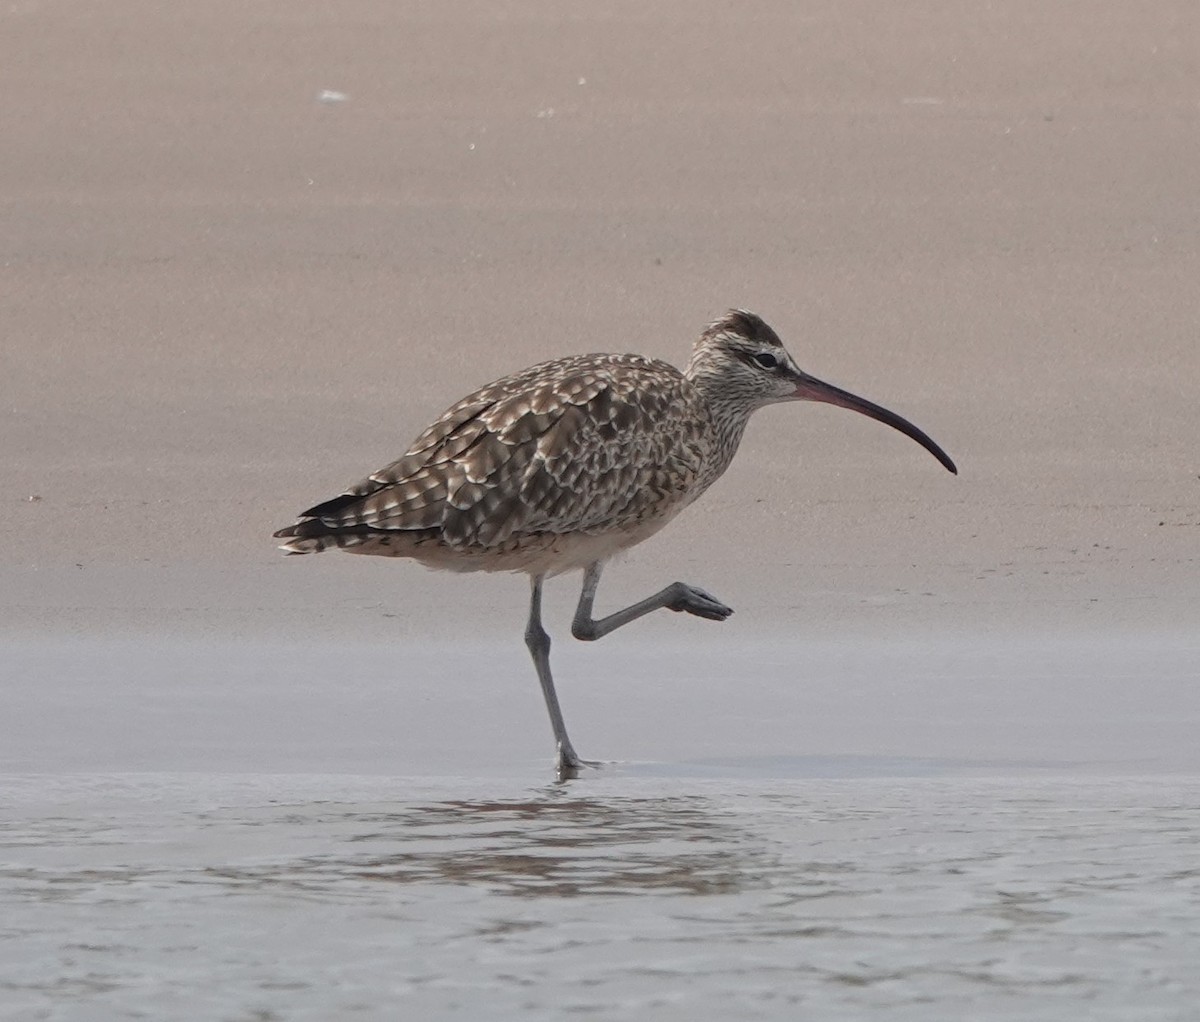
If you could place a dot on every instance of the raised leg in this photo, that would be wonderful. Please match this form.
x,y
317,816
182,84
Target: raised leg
x,y
567,762
676,596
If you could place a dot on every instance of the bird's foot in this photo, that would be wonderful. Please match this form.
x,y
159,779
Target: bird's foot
x,y
696,601
567,763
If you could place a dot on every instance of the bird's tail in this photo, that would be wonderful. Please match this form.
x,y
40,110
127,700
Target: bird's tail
x,y
310,536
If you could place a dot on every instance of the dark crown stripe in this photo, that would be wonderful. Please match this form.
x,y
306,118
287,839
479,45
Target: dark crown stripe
x,y
745,324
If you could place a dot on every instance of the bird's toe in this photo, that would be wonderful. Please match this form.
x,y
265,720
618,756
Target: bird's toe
x,y
692,600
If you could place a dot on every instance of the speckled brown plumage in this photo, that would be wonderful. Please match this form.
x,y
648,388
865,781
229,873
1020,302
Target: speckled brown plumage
x,y
593,447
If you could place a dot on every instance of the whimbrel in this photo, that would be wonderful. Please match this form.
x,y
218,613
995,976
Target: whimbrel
x,y
560,466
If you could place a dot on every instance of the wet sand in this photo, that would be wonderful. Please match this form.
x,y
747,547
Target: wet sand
x,y
472,710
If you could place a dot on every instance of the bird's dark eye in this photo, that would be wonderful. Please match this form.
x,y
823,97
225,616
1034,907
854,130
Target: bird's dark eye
x,y
765,360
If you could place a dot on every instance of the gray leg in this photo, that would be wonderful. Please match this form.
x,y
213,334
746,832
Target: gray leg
x,y
567,763
676,596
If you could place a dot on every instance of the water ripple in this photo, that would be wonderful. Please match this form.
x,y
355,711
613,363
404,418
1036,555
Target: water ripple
x,y
315,898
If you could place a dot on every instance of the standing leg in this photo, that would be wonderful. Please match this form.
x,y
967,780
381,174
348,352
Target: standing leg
x,y
567,763
676,596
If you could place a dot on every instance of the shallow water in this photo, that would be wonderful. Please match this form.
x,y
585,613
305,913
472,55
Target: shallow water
x,y
621,896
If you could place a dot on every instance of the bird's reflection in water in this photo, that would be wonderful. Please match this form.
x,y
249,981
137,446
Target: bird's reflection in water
x,y
552,844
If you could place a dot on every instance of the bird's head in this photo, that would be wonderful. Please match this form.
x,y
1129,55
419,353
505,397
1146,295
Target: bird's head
x,y
740,360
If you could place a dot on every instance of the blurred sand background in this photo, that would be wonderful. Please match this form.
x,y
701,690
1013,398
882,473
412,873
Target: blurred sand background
x,y
225,299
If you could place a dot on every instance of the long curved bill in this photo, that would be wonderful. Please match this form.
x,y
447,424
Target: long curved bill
x,y
809,388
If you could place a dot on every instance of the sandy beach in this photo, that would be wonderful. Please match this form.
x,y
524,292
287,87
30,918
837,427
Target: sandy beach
x,y
251,250
228,299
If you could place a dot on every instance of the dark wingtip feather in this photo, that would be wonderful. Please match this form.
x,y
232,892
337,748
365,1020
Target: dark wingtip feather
x,y
330,507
